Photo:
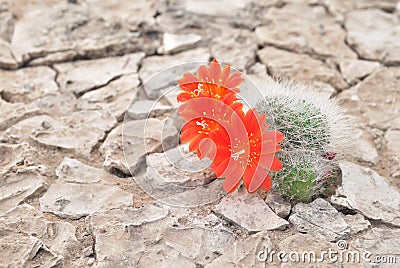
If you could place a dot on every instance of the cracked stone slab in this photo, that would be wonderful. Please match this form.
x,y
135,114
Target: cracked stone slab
x,y
243,253
249,212
305,243
283,63
17,187
7,58
73,171
20,250
186,61
204,7
380,241
339,8
357,223
58,237
152,235
385,102
7,22
143,11
14,156
82,190
126,146
142,109
51,104
319,217
81,76
38,29
363,147
181,167
177,195
364,102
27,84
374,34
173,43
367,192
235,47
79,131
115,97
354,70
301,34
393,146
278,204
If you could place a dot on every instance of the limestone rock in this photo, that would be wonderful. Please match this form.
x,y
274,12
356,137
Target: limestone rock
x,y
249,212
386,103
181,167
38,29
16,156
27,84
363,147
73,171
82,76
177,195
244,253
127,145
355,70
301,33
205,7
51,104
235,47
173,43
79,131
56,57
16,188
75,194
20,250
319,217
357,223
58,237
340,8
7,23
282,63
12,113
187,61
143,11
142,109
115,97
7,58
155,237
365,191
302,244
365,99
280,206
378,39
393,146
380,241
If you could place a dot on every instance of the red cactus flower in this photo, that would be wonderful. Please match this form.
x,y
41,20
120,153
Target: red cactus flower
x,y
251,156
211,82
239,144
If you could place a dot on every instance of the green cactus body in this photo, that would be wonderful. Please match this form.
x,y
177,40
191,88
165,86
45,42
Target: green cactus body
x,y
313,126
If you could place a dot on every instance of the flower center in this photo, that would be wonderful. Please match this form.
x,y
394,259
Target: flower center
x,y
198,90
203,124
236,155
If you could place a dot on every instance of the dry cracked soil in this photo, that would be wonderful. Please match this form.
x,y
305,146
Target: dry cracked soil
x,y
68,72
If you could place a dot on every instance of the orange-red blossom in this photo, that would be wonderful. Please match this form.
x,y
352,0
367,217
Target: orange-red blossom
x,y
240,144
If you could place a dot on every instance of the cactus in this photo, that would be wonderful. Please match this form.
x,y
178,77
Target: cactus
x,y
314,127
303,175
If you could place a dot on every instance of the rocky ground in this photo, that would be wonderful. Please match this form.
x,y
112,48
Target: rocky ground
x,y
69,69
